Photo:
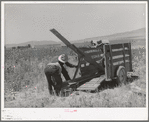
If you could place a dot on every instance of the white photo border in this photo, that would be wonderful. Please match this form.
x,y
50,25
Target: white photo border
x,y
82,113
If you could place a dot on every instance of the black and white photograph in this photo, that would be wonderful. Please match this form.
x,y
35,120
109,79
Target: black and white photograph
x,y
74,60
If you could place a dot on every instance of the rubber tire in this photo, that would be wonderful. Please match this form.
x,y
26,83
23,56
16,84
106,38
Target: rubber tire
x,y
121,75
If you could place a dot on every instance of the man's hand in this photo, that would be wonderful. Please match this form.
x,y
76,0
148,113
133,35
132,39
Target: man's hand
x,y
67,81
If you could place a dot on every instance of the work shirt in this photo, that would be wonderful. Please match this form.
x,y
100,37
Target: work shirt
x,y
64,71
58,68
55,68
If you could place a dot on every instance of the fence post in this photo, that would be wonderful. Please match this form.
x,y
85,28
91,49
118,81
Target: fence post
x,y
112,73
124,54
130,57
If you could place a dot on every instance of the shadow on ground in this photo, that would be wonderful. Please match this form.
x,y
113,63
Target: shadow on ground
x,y
113,84
106,85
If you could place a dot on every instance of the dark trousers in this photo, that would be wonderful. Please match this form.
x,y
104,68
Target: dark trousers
x,y
54,79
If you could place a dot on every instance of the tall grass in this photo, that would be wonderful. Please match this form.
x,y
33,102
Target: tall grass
x,y
26,84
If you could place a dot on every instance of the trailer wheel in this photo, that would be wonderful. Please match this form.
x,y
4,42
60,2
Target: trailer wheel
x,y
121,75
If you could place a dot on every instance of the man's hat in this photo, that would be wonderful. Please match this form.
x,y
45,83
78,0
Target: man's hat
x,y
63,58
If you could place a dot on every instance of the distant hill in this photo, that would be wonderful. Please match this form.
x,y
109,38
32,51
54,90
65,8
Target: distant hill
x,y
128,36
44,42
139,34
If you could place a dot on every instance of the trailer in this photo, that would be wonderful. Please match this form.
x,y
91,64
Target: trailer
x,y
105,62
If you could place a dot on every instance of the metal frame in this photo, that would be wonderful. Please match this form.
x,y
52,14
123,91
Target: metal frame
x,y
110,68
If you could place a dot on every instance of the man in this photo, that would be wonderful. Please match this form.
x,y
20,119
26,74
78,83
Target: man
x,y
63,59
53,73
95,43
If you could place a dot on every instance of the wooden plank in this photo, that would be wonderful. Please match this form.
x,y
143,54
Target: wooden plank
x,y
88,86
111,55
92,84
123,54
117,53
119,56
106,57
118,63
120,49
117,46
115,50
98,79
130,57
108,70
121,59
86,89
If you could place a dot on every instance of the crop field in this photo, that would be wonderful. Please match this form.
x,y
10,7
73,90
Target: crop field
x,y
25,85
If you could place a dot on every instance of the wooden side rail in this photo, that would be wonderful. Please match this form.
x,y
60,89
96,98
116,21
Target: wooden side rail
x,y
117,55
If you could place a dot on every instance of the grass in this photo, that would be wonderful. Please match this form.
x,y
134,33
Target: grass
x,y
26,86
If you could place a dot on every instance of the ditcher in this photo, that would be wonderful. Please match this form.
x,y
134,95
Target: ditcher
x,y
105,62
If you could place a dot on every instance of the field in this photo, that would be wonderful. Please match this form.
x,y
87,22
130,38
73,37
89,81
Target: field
x,y
25,85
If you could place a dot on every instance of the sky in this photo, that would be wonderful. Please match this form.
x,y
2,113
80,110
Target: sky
x,y
32,22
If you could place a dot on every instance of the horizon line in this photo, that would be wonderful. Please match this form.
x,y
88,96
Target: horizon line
x,y
75,40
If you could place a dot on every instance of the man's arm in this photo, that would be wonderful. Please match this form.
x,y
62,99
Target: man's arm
x,y
65,74
70,65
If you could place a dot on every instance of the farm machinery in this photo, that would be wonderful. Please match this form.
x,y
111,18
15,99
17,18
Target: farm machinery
x,y
104,62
